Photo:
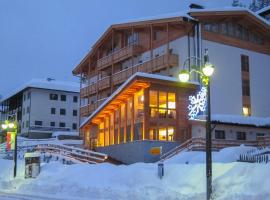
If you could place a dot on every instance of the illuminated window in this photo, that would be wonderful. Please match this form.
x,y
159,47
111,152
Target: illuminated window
x,y
107,139
101,135
111,129
162,99
171,100
154,112
153,95
162,133
170,133
246,111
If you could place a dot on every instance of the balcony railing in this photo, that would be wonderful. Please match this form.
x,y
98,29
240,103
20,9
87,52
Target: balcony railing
x,y
104,83
88,90
118,55
153,65
87,109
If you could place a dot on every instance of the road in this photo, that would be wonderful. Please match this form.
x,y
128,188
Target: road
x,y
12,196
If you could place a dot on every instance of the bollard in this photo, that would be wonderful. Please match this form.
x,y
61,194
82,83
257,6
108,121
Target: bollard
x,y
160,170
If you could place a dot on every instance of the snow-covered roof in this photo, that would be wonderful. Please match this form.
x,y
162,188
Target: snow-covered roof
x,y
116,92
230,9
238,120
71,133
46,84
267,8
183,13
242,120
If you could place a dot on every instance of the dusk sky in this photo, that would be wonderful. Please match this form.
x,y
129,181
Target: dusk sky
x,y
48,38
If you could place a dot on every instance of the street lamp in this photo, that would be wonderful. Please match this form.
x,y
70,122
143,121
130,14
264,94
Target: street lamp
x,y
12,126
205,72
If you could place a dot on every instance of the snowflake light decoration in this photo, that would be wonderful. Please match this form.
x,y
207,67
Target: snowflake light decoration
x,y
197,103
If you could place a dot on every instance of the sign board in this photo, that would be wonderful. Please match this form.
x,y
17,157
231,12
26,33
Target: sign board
x,y
156,150
11,140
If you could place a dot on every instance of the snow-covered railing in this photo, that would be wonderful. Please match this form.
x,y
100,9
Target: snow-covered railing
x,y
76,153
217,144
259,155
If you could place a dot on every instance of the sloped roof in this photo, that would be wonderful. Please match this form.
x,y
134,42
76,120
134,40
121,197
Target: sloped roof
x,y
177,16
46,84
123,86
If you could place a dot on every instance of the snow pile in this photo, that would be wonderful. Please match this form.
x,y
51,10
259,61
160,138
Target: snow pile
x,y
231,180
72,133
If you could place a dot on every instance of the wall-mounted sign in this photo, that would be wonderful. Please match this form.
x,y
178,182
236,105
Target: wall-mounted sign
x,y
197,103
156,150
11,140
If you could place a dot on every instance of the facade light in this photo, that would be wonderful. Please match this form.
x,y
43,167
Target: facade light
x,y
4,126
11,125
208,69
184,76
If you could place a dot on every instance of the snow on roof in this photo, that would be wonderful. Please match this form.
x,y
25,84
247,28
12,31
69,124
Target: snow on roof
x,y
57,133
116,92
46,84
239,120
267,8
228,9
157,17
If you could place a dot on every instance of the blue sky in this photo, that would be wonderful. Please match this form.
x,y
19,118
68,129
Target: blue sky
x,y
48,38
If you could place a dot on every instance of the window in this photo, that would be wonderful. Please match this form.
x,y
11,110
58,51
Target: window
x,y
62,124
38,123
24,97
241,135
54,97
245,88
244,63
260,134
246,110
220,134
53,111
63,97
28,95
28,109
62,111
162,104
52,124
27,124
75,99
75,112
74,126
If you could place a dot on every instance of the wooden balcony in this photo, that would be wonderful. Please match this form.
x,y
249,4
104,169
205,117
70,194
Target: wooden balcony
x,y
104,83
118,56
87,110
88,90
156,64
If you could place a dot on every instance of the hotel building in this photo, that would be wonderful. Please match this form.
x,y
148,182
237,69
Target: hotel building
x,y
123,110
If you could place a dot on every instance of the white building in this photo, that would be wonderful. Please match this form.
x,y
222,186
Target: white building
x,y
44,106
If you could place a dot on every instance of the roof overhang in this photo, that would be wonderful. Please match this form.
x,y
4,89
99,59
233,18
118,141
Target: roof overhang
x,y
135,83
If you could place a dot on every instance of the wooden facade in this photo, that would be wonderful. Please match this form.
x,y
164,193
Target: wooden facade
x,y
145,109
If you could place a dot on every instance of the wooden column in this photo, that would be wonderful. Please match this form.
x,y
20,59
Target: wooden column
x,y
132,120
146,114
125,127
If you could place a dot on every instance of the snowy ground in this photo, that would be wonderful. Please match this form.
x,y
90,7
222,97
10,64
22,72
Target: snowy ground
x,y
231,180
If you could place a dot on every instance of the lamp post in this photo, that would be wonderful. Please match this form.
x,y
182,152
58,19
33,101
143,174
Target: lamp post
x,y
205,71
12,126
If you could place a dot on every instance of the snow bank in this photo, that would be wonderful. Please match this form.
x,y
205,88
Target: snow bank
x,y
231,180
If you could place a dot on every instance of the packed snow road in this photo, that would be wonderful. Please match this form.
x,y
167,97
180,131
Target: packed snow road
x,y
11,196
